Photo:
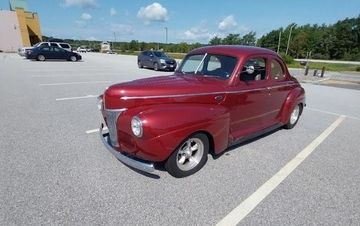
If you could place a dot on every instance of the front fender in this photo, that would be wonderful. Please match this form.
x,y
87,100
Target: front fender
x,y
295,97
166,126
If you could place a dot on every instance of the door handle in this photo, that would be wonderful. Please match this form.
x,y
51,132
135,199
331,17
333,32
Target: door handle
x,y
219,98
268,90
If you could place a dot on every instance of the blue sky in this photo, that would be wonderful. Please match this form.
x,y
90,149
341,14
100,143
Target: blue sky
x,y
186,20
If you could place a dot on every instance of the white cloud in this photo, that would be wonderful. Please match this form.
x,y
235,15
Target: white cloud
x,y
86,16
154,12
113,12
227,23
81,3
198,34
122,29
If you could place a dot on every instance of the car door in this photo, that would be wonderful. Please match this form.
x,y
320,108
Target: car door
x,y
279,86
248,100
45,50
144,58
150,59
60,53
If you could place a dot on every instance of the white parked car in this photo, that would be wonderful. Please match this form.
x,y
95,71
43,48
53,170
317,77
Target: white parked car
x,y
81,49
57,44
22,51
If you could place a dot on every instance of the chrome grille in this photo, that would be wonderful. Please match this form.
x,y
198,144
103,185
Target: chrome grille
x,y
111,119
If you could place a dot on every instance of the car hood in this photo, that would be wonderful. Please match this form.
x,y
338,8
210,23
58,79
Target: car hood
x,y
162,89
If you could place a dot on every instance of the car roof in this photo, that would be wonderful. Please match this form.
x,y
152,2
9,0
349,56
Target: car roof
x,y
233,50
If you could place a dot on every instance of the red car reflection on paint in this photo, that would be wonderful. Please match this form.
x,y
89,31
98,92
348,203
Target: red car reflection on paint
x,y
218,96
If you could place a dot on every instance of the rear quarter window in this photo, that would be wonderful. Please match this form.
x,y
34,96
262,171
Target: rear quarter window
x,y
277,72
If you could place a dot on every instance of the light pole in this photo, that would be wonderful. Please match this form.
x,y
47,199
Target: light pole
x,y
287,48
279,42
114,40
166,35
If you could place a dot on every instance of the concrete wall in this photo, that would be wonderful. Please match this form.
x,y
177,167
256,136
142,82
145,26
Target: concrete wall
x,y
10,36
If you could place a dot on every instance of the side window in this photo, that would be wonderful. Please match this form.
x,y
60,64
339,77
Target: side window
x,y
44,45
213,64
57,49
254,70
277,72
53,44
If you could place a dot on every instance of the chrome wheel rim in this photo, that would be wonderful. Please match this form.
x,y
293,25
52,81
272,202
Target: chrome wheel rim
x,y
41,58
73,58
190,154
295,115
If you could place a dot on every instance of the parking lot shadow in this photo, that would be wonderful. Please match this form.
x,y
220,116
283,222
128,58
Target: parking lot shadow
x,y
245,141
150,175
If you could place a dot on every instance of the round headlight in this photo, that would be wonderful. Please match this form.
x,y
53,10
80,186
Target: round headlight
x,y
136,126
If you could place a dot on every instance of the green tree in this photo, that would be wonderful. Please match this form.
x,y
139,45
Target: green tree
x,y
249,39
215,41
232,39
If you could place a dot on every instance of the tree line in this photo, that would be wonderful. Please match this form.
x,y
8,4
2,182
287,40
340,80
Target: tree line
x,y
336,41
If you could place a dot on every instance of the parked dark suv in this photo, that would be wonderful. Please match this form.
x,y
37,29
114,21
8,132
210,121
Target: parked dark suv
x,y
157,60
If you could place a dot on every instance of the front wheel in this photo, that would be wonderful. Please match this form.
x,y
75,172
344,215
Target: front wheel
x,y
294,117
73,58
189,157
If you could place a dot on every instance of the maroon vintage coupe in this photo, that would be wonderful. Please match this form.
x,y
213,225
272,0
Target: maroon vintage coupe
x,y
219,96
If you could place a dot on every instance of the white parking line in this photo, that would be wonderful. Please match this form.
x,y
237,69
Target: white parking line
x,y
75,98
92,131
54,76
74,83
250,203
95,130
331,113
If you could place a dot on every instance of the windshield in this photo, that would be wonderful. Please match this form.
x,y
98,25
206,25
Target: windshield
x,y
208,65
161,54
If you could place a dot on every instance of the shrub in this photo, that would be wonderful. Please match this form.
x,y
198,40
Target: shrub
x,y
357,68
288,59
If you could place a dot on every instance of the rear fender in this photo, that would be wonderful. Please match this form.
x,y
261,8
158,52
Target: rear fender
x,y
295,97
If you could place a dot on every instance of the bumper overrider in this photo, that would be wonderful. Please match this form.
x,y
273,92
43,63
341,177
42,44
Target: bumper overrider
x,y
132,162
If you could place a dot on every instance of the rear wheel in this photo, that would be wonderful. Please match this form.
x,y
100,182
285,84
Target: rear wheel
x,y
189,157
294,117
156,66
140,65
73,58
41,58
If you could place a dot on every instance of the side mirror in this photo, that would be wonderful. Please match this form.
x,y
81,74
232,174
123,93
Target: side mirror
x,y
151,55
250,69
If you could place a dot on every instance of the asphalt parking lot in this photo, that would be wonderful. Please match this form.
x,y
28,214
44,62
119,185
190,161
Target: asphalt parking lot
x,y
54,170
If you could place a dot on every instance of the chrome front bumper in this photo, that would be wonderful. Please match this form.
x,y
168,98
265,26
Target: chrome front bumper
x,y
134,163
